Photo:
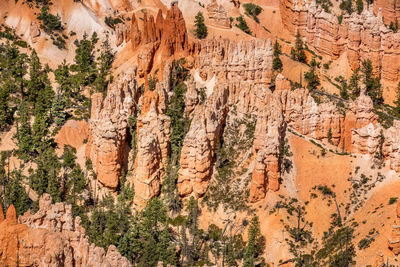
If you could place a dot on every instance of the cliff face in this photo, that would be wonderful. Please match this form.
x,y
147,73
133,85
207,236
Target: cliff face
x,y
153,133
363,36
390,9
50,237
108,128
231,75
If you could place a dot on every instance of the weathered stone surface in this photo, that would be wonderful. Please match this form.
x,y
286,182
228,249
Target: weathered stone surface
x,y
174,38
152,141
73,133
390,10
200,142
108,127
394,240
123,32
363,36
230,74
51,237
217,15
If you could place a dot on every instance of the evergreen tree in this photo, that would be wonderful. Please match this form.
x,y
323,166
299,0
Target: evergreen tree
x,y
298,53
255,244
354,83
15,193
360,6
148,240
85,64
104,63
6,114
45,178
277,62
372,85
24,133
201,28
311,77
397,101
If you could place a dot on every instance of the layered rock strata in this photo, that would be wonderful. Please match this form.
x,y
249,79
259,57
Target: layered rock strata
x,y
231,75
51,237
217,15
361,37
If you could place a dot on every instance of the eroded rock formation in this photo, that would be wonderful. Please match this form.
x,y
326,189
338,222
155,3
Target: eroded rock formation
x,y
50,237
169,36
108,128
390,10
230,74
363,36
217,15
152,141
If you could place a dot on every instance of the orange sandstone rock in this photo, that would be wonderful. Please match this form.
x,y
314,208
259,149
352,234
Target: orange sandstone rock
x,y
73,133
51,237
108,128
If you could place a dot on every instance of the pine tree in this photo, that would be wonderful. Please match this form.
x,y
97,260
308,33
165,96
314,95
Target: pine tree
x,y
24,132
360,6
354,84
277,62
85,64
311,76
255,244
298,53
5,108
201,28
15,193
372,85
397,102
104,63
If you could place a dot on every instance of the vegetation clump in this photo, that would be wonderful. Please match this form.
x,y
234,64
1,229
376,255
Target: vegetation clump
x,y
201,28
243,25
252,10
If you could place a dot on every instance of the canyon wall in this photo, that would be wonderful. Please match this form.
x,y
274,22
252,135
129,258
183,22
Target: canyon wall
x,y
390,10
51,237
228,76
361,37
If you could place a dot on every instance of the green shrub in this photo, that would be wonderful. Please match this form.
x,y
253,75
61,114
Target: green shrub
x,y
252,10
243,25
392,200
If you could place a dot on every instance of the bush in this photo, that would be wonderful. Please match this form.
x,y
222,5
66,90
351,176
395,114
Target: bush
x,y
243,25
252,10
111,22
364,243
392,200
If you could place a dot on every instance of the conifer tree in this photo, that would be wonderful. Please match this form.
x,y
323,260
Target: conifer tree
x,y
360,6
255,244
277,62
104,63
201,28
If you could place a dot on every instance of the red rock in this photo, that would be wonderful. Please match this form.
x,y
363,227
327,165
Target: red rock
x,y
11,215
73,133
51,237
108,127
136,34
174,39
1,214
